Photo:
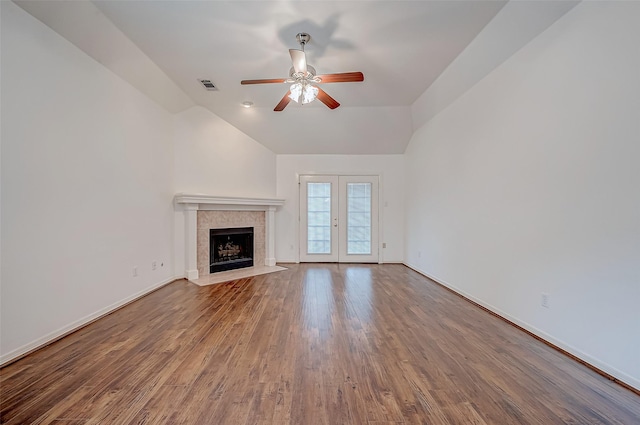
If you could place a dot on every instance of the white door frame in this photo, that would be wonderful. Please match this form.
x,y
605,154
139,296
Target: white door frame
x,y
380,211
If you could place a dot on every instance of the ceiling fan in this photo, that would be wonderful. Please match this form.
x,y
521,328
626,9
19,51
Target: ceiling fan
x,y
302,78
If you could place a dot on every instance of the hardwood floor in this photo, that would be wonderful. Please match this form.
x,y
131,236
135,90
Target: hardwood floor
x,y
315,344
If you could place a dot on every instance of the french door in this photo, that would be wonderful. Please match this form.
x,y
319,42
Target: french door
x,y
339,219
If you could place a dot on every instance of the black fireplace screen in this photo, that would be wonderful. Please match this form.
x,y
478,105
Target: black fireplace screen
x,y
230,248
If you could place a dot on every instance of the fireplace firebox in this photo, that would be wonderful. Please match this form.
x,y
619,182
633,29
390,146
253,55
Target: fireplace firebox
x,y
230,249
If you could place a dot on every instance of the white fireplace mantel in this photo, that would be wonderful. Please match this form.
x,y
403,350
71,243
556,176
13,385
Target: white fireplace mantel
x,y
258,204
191,203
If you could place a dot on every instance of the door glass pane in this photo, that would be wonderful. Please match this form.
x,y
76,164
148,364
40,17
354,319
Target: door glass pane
x,y
318,218
359,218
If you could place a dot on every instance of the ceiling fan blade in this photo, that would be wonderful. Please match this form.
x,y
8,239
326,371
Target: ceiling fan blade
x,y
326,99
345,77
283,103
272,80
299,59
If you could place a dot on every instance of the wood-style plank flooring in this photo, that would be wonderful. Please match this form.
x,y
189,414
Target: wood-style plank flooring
x,y
315,344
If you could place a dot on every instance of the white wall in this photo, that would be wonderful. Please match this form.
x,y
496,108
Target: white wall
x,y
516,24
213,157
87,174
389,167
529,184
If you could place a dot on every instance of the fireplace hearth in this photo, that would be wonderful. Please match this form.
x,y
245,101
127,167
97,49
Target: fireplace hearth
x,y
230,249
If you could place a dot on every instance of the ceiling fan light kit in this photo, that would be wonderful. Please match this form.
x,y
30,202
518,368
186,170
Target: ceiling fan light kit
x,y
302,77
303,92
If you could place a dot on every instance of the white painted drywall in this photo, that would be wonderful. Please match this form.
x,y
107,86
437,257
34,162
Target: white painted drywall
x,y
530,183
213,157
87,187
88,28
517,23
389,167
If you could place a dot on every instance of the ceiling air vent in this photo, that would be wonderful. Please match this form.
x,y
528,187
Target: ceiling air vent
x,y
208,84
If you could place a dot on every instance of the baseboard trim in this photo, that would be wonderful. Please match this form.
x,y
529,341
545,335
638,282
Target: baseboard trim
x,y
54,336
286,261
606,371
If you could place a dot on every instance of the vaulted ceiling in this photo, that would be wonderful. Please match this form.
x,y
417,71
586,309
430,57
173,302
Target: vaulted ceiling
x,y
403,48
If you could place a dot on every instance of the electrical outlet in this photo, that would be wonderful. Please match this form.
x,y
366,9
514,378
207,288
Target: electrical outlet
x,y
154,265
135,271
419,254
544,300
384,244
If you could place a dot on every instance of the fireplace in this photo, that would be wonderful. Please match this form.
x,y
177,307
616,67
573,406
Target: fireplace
x,y
230,249
204,212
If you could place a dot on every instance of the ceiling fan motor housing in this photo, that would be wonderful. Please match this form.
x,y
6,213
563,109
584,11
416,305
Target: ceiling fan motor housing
x,y
303,38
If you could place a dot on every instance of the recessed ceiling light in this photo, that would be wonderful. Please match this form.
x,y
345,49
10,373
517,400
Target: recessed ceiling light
x,y
247,104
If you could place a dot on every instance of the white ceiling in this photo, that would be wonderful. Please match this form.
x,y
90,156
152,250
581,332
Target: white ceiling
x,y
402,47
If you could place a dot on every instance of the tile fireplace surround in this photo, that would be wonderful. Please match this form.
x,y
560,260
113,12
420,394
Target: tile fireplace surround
x,y
236,214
